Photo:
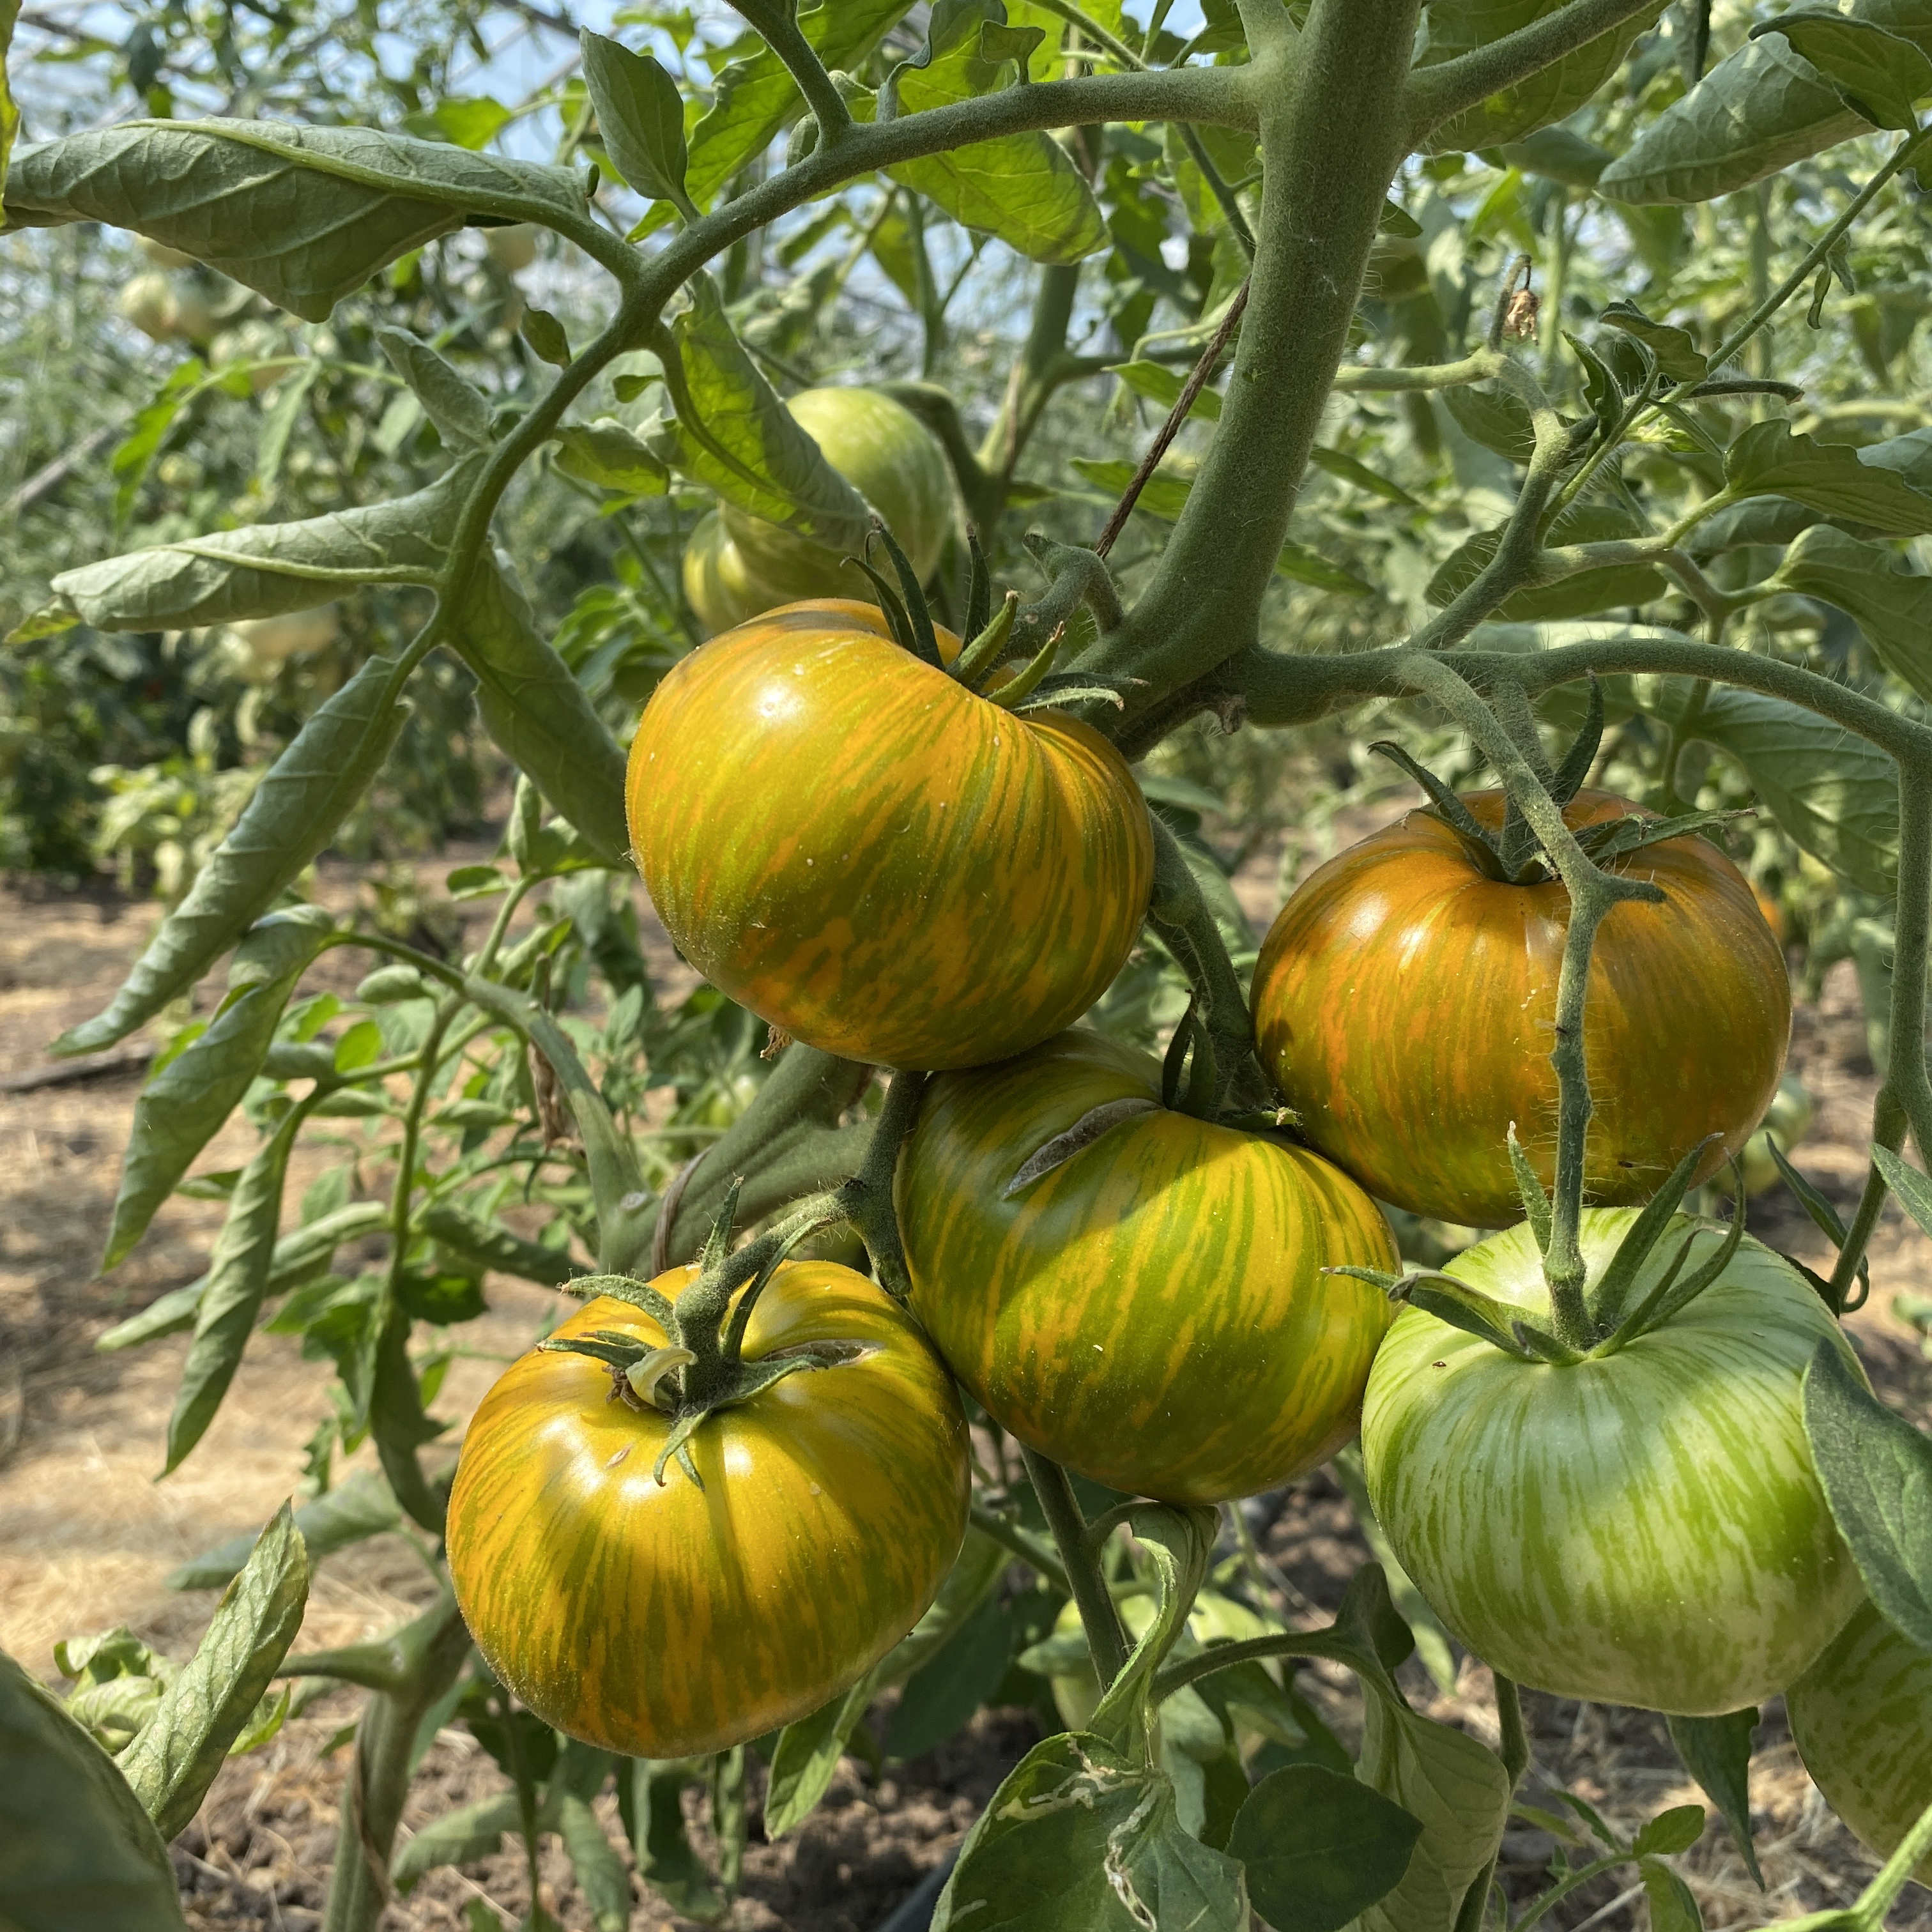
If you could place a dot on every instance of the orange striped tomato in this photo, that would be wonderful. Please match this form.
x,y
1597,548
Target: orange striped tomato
x,y
851,844
669,1620
1151,1312
1405,1003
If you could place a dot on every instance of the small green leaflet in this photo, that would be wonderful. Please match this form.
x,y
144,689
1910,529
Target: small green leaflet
x,y
640,116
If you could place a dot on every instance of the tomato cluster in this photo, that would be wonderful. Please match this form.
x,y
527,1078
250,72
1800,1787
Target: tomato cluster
x,y
848,838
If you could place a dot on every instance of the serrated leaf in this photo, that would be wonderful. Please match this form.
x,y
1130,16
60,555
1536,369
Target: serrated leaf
x,y
1757,112
1461,26
81,1854
304,215
539,715
754,97
1078,1839
1878,75
640,117
291,815
268,570
1495,417
1319,1849
459,1837
457,408
1876,1471
238,1279
1893,610
1677,353
182,1106
731,433
1768,460
1603,588
600,1874
360,1506
170,1765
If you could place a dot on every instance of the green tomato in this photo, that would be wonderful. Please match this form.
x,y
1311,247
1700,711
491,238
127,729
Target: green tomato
x,y
737,565
1862,1718
148,302
1643,1527
513,248
1789,1117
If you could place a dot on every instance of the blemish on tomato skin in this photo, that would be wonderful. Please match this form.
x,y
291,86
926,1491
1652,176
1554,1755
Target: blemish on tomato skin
x,y
619,1457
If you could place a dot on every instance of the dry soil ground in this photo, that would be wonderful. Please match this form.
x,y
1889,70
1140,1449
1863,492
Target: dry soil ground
x,y
87,1535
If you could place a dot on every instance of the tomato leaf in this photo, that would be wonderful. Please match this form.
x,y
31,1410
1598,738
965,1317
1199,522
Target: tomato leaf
x,y
1676,1830
1754,113
1677,353
1318,1849
940,1697
1461,26
1893,610
82,1854
458,1837
293,814
1877,1470
182,1106
170,1765
650,1801
460,410
1877,74
540,716
1768,460
303,215
1599,588
640,117
1673,1906
1079,1838
807,1755
267,570
601,1874
1717,1752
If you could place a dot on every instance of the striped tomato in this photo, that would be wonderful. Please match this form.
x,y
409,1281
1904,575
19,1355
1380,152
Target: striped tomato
x,y
664,1620
1150,1311
1862,1718
1643,1526
851,843
737,565
1405,1003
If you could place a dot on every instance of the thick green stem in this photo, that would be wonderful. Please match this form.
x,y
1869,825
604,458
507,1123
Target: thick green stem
x,y
1333,123
1106,1638
1905,1079
431,1652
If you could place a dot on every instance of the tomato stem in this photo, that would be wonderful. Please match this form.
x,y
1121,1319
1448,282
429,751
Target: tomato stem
x,y
1106,1640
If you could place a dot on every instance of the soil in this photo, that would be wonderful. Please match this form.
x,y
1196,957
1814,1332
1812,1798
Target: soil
x,y
87,1534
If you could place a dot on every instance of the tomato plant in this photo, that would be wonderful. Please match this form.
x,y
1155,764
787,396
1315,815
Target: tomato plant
x,y
1402,995
877,808
1134,1292
615,1614
1045,384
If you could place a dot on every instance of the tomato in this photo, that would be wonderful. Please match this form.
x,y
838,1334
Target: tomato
x,y
1642,1527
148,302
737,565
851,844
668,1620
1406,1005
1862,1718
1151,1312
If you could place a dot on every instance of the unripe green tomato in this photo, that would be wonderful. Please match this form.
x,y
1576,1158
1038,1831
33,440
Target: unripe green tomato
x,y
887,454
195,316
514,248
1643,1527
388,984
161,255
1862,1718
1789,1117
148,302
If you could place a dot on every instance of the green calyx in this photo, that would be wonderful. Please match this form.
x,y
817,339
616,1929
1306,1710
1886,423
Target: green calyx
x,y
1511,854
990,635
700,1367
1614,1324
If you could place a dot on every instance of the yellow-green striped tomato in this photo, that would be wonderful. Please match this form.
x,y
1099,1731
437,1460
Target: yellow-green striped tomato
x,y
851,844
1405,1003
666,1620
1151,1312
1644,1527
737,565
1862,1718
